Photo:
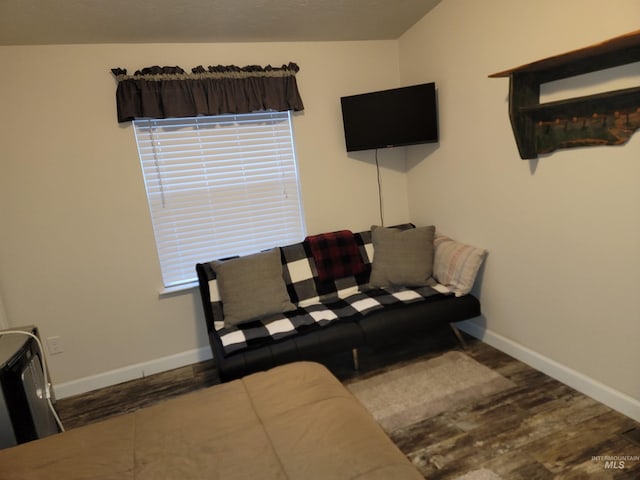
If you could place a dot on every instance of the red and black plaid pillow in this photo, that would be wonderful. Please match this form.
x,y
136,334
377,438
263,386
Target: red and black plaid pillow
x,y
336,255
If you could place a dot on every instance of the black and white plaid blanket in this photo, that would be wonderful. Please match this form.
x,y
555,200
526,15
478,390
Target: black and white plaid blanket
x,y
316,315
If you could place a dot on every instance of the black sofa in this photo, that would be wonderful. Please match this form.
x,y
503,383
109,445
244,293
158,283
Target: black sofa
x,y
394,321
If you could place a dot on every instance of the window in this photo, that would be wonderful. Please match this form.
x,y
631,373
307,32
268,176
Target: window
x,y
218,187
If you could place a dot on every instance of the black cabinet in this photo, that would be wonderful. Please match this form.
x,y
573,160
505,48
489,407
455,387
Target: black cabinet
x,y
25,413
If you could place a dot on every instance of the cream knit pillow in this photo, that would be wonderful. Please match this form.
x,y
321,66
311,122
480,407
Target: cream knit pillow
x,y
455,264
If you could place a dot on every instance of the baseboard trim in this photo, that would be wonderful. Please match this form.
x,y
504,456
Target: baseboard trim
x,y
131,372
614,399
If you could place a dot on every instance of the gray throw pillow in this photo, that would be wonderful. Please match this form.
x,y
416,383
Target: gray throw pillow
x,y
401,257
252,287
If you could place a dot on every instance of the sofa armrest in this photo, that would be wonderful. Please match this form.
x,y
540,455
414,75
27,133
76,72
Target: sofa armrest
x,y
205,275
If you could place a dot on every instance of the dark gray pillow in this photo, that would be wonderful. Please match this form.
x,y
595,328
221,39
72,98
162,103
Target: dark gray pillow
x,y
401,257
252,287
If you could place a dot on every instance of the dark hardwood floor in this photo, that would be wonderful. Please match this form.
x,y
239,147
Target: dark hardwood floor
x,y
541,429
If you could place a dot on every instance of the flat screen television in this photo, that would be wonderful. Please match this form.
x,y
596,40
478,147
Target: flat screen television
x,y
390,118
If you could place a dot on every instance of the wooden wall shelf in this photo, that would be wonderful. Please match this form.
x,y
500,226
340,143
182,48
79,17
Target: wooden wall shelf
x,y
602,119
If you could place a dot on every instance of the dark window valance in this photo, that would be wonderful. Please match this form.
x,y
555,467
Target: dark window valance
x,y
165,92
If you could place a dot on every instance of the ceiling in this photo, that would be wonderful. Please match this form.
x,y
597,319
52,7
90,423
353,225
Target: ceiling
x,y
38,22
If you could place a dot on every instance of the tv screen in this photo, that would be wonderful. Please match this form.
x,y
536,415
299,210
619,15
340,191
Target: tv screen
x,y
390,118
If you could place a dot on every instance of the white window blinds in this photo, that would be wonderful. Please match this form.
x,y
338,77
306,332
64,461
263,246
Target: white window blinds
x,y
218,187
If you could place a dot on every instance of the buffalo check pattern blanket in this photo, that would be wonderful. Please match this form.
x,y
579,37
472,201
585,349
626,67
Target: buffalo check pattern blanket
x,y
317,315
319,302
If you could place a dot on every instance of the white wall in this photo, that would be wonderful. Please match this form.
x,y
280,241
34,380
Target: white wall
x,y
77,255
4,323
561,280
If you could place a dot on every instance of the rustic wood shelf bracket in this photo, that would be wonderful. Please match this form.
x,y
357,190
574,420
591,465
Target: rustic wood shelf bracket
x,y
602,119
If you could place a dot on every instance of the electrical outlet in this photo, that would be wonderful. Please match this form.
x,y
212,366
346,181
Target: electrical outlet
x,y
54,344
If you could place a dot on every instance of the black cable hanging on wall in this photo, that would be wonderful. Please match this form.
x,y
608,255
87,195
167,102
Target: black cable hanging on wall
x,y
379,190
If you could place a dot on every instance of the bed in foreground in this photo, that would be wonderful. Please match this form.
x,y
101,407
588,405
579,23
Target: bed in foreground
x,y
292,422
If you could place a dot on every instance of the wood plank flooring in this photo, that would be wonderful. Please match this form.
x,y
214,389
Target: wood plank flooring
x,y
541,429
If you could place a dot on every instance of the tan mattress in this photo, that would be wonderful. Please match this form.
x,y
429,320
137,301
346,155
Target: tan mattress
x,y
293,422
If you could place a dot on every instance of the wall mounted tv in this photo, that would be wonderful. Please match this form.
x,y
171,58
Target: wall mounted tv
x,y
390,118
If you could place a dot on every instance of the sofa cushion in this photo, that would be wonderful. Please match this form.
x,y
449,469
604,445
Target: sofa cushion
x,y
402,257
456,265
318,315
252,287
303,280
